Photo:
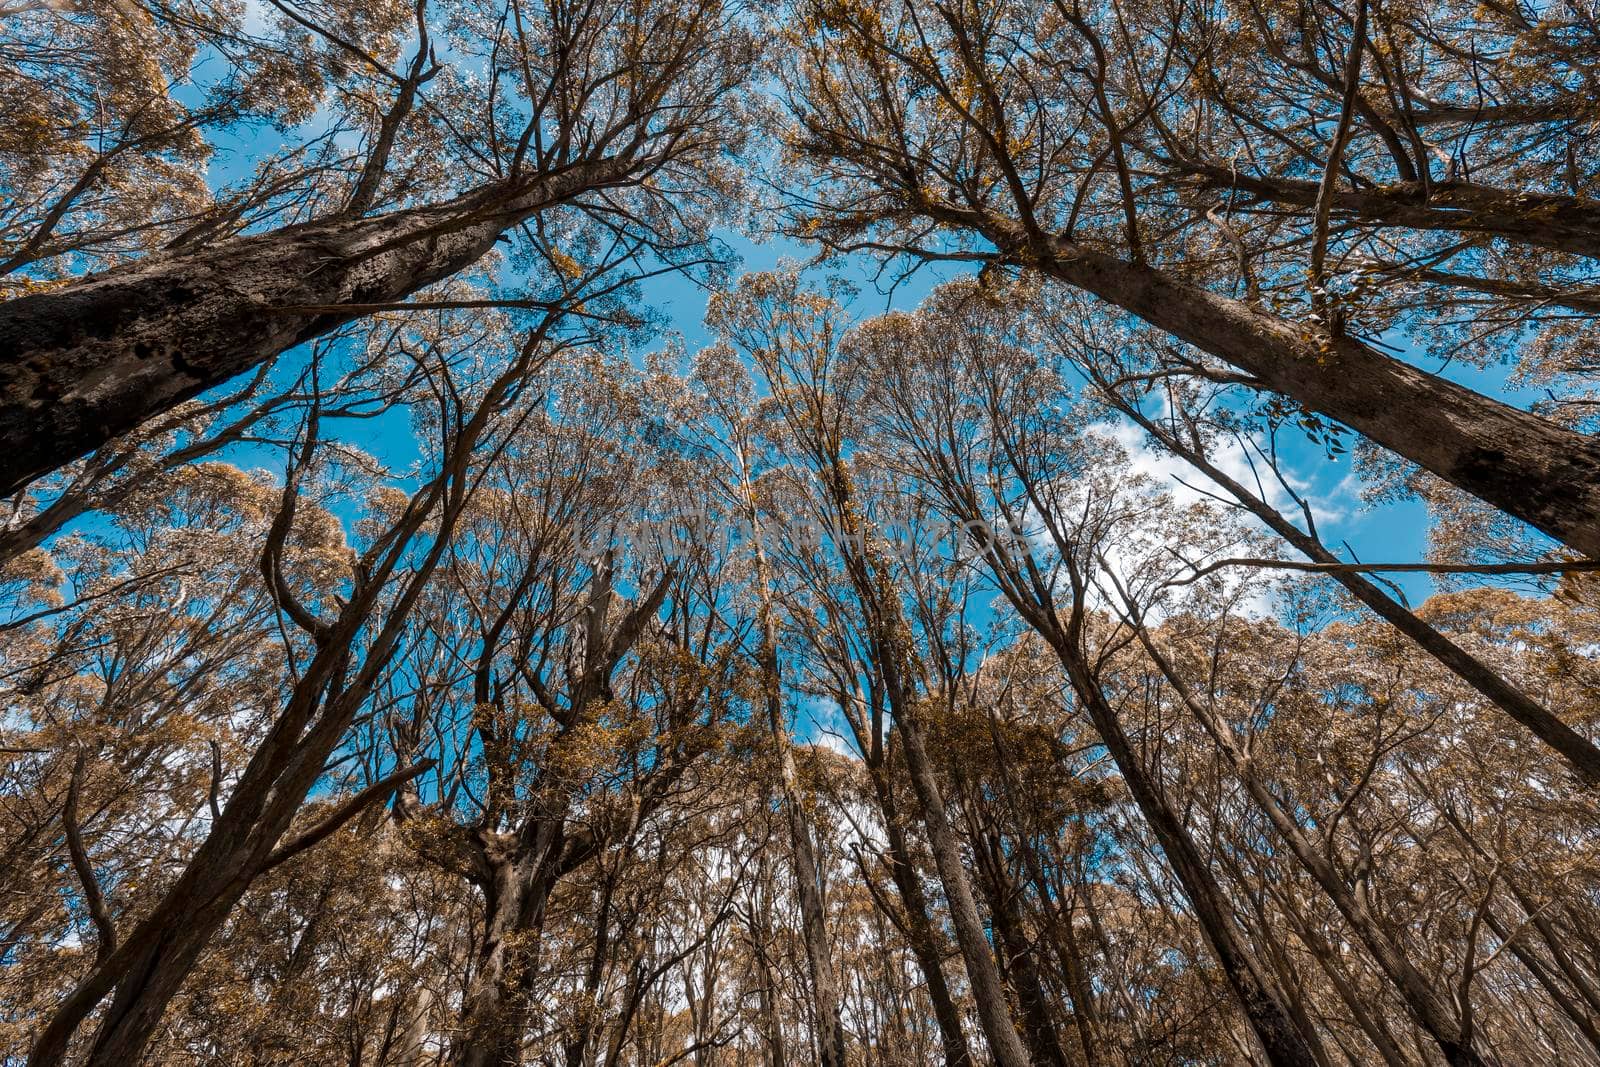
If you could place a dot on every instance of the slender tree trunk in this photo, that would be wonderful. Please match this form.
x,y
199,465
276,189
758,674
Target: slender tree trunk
x,y
577,1047
886,627
1006,918
813,920
1375,1026
988,993
1428,1005
93,359
761,933
919,928
412,1050
1064,943
1274,1027
808,885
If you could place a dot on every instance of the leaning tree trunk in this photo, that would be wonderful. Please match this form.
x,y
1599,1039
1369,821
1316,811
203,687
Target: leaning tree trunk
x,y
1527,466
146,970
988,993
919,928
1430,1006
91,360
1274,1027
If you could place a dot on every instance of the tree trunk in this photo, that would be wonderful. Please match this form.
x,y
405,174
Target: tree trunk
x,y
1006,918
493,1010
412,1050
147,968
994,1011
577,1046
808,885
1527,466
1284,1045
919,928
761,937
93,359
1426,1004
813,923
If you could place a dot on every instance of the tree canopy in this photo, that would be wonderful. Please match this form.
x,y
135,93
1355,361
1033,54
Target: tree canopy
x,y
424,641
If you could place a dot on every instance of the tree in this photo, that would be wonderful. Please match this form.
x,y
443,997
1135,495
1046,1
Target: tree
x,y
954,132
618,111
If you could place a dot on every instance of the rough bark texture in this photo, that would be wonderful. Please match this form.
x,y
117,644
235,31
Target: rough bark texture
x,y
1527,466
515,897
1559,223
83,363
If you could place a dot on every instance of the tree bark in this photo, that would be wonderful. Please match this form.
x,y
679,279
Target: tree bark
x,y
93,359
988,993
1525,465
1006,918
1284,1045
919,928
1556,222
492,1011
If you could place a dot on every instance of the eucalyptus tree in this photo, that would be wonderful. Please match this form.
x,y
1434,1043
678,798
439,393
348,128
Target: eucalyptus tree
x,y
1121,150
987,433
336,632
473,124
598,673
792,335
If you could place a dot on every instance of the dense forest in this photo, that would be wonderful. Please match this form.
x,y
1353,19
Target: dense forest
x,y
419,645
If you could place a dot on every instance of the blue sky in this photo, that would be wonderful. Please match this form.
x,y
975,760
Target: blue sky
x,y
1391,533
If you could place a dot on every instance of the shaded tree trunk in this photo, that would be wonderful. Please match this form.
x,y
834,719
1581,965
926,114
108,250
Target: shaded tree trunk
x,y
919,929
1274,1027
1006,918
1525,465
988,993
93,359
494,1007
